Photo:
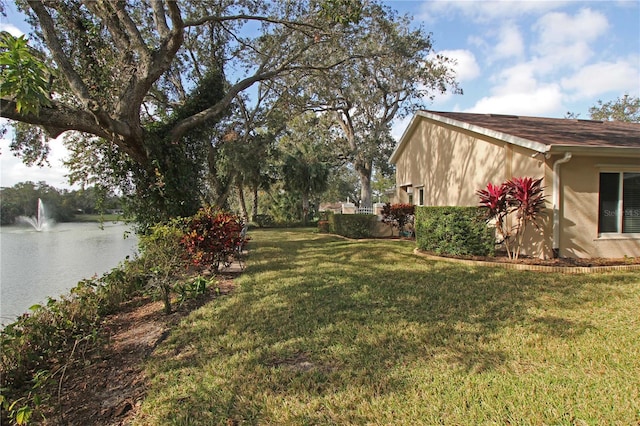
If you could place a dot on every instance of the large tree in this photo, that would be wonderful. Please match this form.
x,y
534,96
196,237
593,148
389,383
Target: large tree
x,y
396,72
121,73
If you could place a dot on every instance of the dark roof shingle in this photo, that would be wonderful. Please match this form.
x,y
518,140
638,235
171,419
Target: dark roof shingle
x,y
556,131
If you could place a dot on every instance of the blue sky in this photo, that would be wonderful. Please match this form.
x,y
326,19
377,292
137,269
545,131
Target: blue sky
x,y
539,58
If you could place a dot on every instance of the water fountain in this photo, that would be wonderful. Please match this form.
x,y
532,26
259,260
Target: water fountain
x,y
40,221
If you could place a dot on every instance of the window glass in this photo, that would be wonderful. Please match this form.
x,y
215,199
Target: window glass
x,y
631,202
609,215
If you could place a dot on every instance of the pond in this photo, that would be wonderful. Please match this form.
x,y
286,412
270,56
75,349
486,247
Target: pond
x,y
35,265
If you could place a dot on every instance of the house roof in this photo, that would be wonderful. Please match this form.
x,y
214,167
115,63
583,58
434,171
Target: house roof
x,y
545,135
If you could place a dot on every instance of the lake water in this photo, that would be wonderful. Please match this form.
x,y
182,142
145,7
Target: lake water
x,y
36,265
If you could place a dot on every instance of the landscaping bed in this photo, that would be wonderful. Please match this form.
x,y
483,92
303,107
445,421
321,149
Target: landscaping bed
x,y
107,386
561,261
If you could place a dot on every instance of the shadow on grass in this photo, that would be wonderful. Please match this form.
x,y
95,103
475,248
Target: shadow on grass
x,y
316,316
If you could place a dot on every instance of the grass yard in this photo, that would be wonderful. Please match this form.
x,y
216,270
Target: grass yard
x,y
323,330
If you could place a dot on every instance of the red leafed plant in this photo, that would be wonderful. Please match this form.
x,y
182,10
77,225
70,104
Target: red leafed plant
x,y
526,198
213,237
398,215
522,196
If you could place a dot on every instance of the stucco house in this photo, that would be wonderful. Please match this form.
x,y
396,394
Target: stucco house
x,y
590,171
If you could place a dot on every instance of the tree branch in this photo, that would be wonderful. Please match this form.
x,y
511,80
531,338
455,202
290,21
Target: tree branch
x,y
243,17
56,119
75,82
160,18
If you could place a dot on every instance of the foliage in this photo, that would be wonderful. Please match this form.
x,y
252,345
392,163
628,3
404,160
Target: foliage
x,y
283,207
493,200
25,78
192,288
394,71
323,226
352,225
306,153
263,220
398,215
62,205
453,231
164,257
122,77
522,197
625,108
212,237
37,347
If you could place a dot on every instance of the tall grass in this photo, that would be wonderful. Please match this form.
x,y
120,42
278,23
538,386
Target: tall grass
x,y
327,331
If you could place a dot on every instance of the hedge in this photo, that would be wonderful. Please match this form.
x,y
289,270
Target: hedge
x,y
453,231
352,225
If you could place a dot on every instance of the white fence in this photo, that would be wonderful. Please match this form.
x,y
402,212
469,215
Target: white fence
x,y
366,210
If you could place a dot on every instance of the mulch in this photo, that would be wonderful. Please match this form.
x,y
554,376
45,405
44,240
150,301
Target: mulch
x,y
106,386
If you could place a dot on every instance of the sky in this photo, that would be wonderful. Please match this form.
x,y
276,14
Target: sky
x,y
536,58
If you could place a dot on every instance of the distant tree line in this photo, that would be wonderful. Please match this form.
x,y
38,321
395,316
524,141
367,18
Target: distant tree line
x,y
62,205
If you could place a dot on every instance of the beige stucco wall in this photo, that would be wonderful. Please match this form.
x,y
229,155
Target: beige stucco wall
x,y
451,165
579,203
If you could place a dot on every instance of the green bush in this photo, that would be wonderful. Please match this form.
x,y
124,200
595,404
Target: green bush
x,y
164,258
37,345
263,220
453,231
352,225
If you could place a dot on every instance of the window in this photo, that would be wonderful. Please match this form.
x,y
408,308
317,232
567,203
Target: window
x,y
619,206
421,197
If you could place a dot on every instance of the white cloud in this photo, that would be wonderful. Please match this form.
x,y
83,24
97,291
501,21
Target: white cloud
x,y
11,29
509,44
565,39
602,77
515,79
485,11
557,28
466,67
13,170
542,101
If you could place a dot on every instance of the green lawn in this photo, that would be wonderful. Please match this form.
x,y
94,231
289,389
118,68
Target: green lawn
x,y
327,331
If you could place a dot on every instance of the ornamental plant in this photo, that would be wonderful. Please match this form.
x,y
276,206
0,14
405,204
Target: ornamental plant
x,y
493,200
398,215
519,196
213,237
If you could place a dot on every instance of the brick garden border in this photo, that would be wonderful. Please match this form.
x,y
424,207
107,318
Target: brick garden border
x,y
535,268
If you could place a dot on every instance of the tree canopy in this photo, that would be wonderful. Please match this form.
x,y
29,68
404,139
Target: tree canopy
x,y
624,108
148,92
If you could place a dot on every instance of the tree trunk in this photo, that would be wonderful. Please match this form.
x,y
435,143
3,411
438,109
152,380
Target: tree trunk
x,y
305,209
243,204
364,173
254,212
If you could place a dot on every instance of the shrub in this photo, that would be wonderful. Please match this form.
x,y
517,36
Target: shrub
x,y
520,196
398,215
164,258
213,237
453,231
263,220
352,225
37,346
323,226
